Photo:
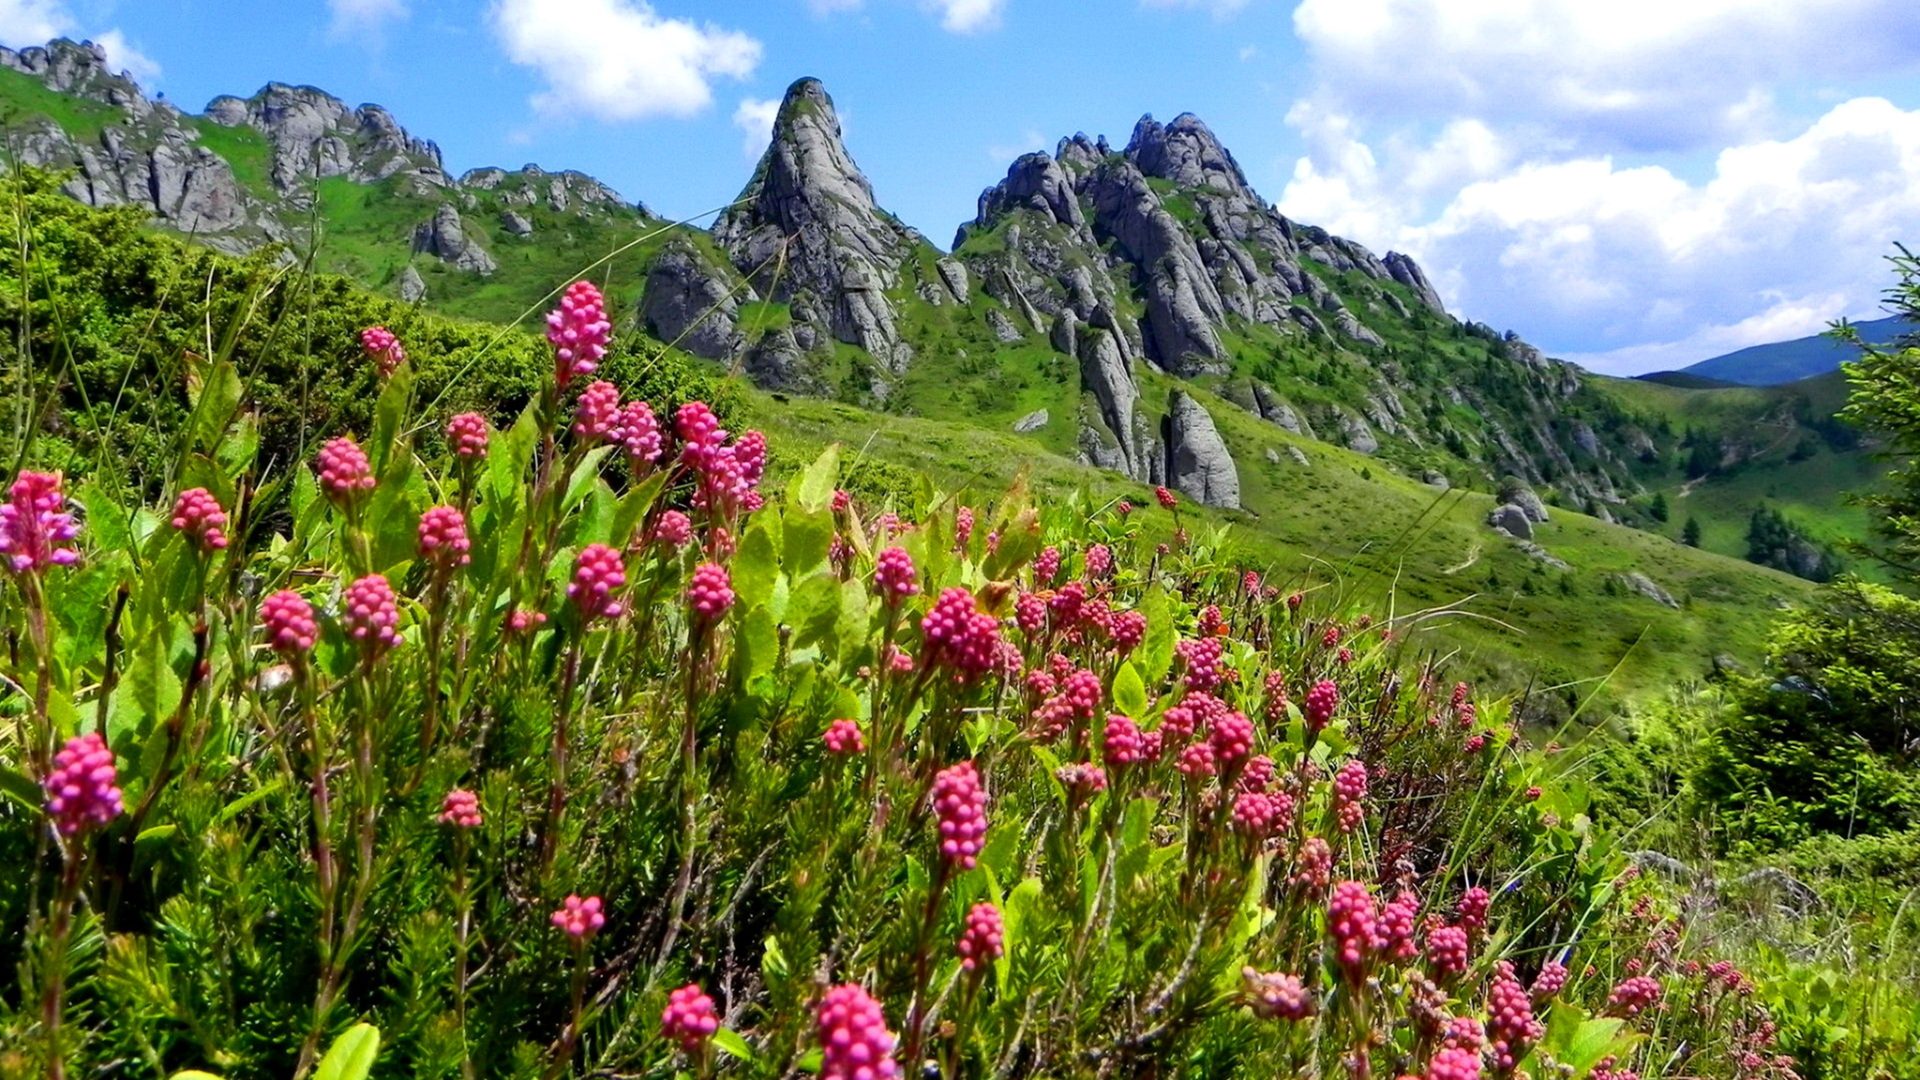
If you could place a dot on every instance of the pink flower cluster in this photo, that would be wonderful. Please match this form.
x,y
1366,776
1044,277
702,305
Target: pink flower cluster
x,y
198,516
443,537
598,573
289,622
638,429
578,330
1351,915
597,411
580,919
372,614
1259,814
1393,933
983,940
1453,1063
1511,1027
1349,795
1274,995
673,529
1448,951
962,527
1313,868
1634,996
82,790
35,527
1083,780
345,471
1125,744
960,804
843,738
854,1041
1099,561
460,809
725,474
383,348
1127,630
1472,912
894,577
1232,737
710,592
1203,659
1320,704
689,1018
468,433
959,635
1166,498
1550,981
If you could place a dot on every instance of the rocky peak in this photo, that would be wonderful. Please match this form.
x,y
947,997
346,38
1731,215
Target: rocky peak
x,y
1187,153
314,136
810,203
80,69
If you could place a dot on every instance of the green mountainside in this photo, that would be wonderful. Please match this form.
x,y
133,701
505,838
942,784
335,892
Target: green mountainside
x,y
1778,362
1112,319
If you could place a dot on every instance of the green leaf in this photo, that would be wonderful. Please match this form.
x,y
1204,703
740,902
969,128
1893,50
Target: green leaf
x,y
806,536
814,612
352,1054
389,413
106,521
755,566
1129,693
155,835
1156,652
812,490
16,786
193,1074
213,408
634,506
239,806
732,1044
583,478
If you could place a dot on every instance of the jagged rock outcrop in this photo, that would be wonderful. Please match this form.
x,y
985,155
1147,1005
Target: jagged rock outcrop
x,y
807,224
1355,433
1031,422
687,302
1407,272
1198,462
313,136
445,238
1120,439
516,223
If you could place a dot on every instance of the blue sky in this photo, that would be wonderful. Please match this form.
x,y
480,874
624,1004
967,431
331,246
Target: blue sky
x,y
1635,184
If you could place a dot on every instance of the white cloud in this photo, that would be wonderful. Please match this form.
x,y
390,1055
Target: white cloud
x,y
967,16
620,59
352,17
1640,74
754,117
122,56
33,22
1631,265
830,7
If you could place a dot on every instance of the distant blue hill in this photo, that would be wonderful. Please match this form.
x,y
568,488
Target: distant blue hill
x,y
1791,361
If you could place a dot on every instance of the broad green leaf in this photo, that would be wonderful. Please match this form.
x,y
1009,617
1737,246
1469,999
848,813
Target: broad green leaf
x,y
15,785
731,1043
634,507
213,408
1156,652
806,537
106,521
755,566
351,1056
389,414
812,489
1129,693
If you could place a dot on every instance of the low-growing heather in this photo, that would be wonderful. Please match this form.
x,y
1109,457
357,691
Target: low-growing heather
x,y
569,748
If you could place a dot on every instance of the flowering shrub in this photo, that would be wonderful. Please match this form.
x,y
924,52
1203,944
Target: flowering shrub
x,y
895,785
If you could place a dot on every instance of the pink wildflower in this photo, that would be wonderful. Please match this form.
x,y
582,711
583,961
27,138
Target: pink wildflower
x,y
710,593
578,330
854,1041
581,919
689,1018
894,577
383,348
598,573
344,469
443,537
638,430
372,614
960,803
983,940
460,809
843,738
197,514
1276,996
82,790
597,413
468,433
289,623
35,526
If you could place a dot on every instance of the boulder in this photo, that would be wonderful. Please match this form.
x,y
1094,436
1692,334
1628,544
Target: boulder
x,y
445,238
413,287
1031,422
1198,462
687,302
1645,586
1512,520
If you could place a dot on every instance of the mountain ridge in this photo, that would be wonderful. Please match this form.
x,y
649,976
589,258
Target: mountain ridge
x,y
1105,303
1778,362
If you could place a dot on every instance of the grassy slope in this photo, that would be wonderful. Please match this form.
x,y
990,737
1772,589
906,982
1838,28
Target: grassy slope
x,y
1347,523
1813,492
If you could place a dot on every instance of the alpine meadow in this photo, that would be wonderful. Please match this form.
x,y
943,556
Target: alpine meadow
x,y
477,625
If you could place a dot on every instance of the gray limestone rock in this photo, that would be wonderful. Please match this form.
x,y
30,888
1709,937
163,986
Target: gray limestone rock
x,y
1407,272
1647,587
1198,462
445,238
1513,520
413,287
687,301
1031,422
515,223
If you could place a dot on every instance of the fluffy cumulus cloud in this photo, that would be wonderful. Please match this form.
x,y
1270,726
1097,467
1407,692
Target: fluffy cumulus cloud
x,y
754,117
1632,267
1615,181
1219,8
122,55
33,22
1643,74
620,59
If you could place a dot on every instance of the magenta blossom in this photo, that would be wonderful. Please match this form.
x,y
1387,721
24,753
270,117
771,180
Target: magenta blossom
x,y
35,528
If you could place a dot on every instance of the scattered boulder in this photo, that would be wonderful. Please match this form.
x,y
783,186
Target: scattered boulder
x,y
1299,456
1512,520
1031,422
1539,554
1357,435
1003,328
1434,478
515,223
413,287
1198,462
1645,586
